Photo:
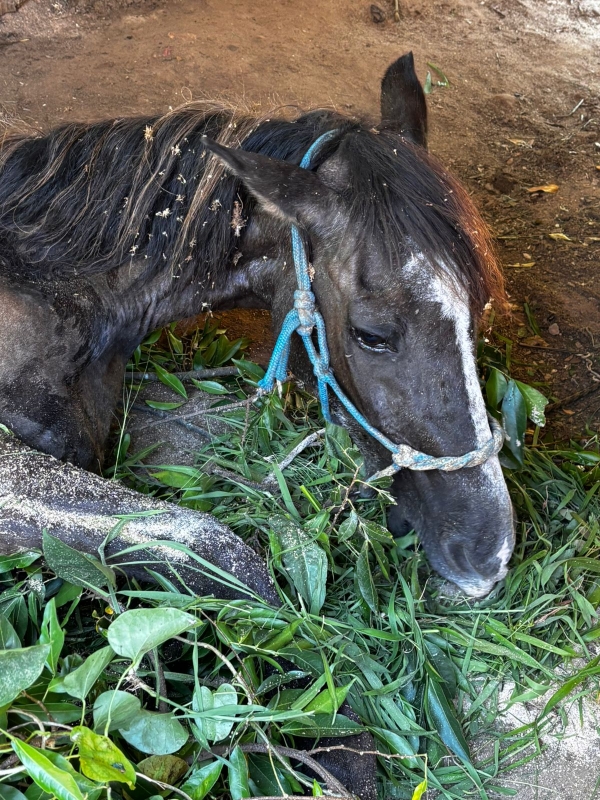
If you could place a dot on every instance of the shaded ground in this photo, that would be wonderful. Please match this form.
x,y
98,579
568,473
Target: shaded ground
x,y
522,110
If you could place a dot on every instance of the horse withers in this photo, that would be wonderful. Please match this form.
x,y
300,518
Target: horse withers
x,y
110,230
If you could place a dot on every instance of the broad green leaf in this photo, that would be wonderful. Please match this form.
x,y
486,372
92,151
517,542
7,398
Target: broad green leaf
x,y
167,769
56,710
100,759
19,668
238,775
322,725
18,560
366,584
204,699
8,636
201,781
116,708
304,560
78,568
211,387
42,771
323,703
10,793
89,789
316,789
271,778
51,633
155,734
399,745
495,388
535,402
348,527
420,790
163,406
514,421
170,380
442,719
79,682
136,632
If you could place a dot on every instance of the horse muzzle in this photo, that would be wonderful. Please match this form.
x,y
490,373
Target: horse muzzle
x,y
464,521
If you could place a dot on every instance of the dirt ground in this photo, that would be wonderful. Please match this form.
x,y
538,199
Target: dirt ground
x,y
522,110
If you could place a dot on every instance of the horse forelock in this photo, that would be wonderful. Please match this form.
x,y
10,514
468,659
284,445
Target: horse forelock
x,y
404,198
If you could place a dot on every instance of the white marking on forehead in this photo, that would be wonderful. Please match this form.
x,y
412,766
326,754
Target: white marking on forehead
x,y
452,297
445,290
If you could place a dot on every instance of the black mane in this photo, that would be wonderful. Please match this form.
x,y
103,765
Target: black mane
x,y
85,199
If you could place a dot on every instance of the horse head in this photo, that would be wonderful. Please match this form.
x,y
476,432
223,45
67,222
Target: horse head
x,y
402,270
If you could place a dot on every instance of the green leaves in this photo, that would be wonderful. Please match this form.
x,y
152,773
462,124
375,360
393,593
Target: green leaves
x,y
78,568
100,759
156,734
170,380
201,781
115,709
136,632
51,779
364,577
304,560
443,720
19,668
514,420
79,682
208,727
52,634
238,775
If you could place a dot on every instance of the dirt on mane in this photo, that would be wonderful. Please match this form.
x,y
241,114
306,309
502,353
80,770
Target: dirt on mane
x,y
521,111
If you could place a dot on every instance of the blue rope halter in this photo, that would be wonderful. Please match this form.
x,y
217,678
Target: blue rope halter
x,y
303,318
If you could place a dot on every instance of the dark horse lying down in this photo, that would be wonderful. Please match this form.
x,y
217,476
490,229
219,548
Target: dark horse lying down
x,y
110,230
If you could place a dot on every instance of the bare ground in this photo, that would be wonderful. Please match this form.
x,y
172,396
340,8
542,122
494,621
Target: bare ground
x,y
522,110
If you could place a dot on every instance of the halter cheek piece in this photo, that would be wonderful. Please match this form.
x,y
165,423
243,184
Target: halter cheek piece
x,y
303,319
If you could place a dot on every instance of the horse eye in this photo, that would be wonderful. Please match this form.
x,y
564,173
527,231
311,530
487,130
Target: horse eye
x,y
370,341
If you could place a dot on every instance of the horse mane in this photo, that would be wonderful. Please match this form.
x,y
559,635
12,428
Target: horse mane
x,y
87,198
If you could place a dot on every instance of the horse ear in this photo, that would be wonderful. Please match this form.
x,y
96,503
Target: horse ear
x,y
403,106
284,190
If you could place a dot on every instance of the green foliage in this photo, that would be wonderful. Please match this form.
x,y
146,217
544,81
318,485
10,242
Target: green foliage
x,y
183,686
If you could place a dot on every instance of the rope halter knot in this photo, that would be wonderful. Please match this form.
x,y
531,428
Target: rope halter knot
x,y
303,319
304,303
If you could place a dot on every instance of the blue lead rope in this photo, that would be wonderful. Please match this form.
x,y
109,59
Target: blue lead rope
x,y
303,319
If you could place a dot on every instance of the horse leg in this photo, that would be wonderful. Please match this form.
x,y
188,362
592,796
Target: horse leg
x,y
38,492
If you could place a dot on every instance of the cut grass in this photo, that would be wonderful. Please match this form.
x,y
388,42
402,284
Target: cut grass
x,y
361,617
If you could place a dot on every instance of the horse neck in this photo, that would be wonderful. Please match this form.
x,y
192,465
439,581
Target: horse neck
x,y
251,279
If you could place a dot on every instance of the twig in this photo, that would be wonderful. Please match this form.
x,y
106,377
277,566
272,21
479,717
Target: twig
x,y
549,349
269,483
197,374
311,439
248,691
299,755
165,417
228,475
396,10
572,398
164,785
161,684
362,752
212,410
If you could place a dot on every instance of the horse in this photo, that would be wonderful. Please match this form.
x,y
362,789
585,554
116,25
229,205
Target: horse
x,y
110,230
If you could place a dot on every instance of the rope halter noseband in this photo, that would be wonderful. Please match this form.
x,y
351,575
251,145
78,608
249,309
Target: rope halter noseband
x,y
303,319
